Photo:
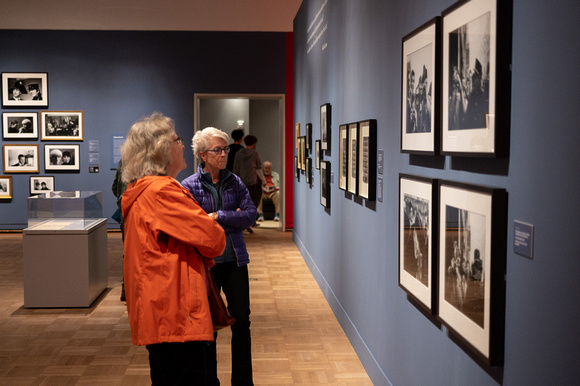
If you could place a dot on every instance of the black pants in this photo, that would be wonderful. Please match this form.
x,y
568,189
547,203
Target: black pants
x,y
178,363
235,283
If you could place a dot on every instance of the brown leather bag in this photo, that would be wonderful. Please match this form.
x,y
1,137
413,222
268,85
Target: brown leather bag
x,y
220,315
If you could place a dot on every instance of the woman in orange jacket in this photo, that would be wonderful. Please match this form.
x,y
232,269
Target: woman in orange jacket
x,y
169,243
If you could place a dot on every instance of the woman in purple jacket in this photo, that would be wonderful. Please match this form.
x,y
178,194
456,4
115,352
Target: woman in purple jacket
x,y
226,199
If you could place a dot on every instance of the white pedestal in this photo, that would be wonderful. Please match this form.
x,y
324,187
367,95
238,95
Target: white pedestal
x,y
65,263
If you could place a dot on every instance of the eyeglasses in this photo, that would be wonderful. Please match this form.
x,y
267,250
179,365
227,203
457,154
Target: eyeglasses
x,y
179,140
218,151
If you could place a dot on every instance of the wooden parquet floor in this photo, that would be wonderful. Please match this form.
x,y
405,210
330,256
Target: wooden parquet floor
x,y
295,337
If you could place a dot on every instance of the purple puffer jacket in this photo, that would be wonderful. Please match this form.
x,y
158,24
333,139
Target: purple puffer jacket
x,y
234,195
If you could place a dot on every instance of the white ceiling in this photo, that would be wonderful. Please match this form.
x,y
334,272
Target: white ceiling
x,y
150,15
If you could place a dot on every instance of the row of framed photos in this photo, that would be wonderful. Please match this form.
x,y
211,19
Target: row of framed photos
x,y
456,81
55,125
38,185
452,258
24,158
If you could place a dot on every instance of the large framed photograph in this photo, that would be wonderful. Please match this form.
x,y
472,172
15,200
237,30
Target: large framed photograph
x,y
5,187
325,183
343,157
367,163
20,125
41,184
472,261
476,80
418,207
61,125
352,183
325,124
25,89
20,158
61,157
420,89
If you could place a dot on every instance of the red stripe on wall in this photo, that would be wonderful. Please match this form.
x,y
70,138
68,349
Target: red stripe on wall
x,y
289,134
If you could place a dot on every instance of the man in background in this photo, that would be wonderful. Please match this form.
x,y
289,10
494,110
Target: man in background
x,y
237,136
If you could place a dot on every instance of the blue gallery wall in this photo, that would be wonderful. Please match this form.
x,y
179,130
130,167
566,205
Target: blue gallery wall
x,y
117,77
352,60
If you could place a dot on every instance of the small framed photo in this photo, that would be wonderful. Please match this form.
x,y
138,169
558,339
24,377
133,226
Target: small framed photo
x,y
309,137
301,153
20,125
325,124
317,149
476,78
308,170
472,266
352,183
5,187
418,206
41,184
25,89
296,133
61,125
325,184
420,89
20,158
296,167
343,157
61,157
367,164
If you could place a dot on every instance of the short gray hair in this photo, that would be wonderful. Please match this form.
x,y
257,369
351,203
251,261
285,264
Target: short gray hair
x,y
201,139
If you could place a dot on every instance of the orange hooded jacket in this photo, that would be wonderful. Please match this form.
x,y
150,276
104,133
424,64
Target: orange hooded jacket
x,y
169,241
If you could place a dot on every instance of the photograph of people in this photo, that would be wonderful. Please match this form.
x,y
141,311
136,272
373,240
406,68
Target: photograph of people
x,y
224,196
169,243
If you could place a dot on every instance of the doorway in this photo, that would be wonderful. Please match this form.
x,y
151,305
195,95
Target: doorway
x,y
261,115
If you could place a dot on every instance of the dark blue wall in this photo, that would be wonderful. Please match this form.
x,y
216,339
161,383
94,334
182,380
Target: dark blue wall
x,y
117,77
353,248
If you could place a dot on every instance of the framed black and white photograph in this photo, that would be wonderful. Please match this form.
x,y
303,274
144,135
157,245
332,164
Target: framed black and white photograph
x,y
61,125
325,124
20,158
301,153
367,163
472,265
420,89
309,137
308,170
317,150
476,80
343,157
352,180
5,187
296,167
61,157
41,184
418,206
25,89
325,183
20,125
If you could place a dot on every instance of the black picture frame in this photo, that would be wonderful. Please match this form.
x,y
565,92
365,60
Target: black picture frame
x,y
472,267
343,157
296,167
318,153
421,85
308,170
41,184
5,187
367,159
325,125
352,181
19,125
32,89
55,157
476,78
20,158
325,184
308,137
418,209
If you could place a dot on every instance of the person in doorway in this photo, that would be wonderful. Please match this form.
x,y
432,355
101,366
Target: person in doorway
x,y
224,196
170,241
237,137
248,167
271,190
